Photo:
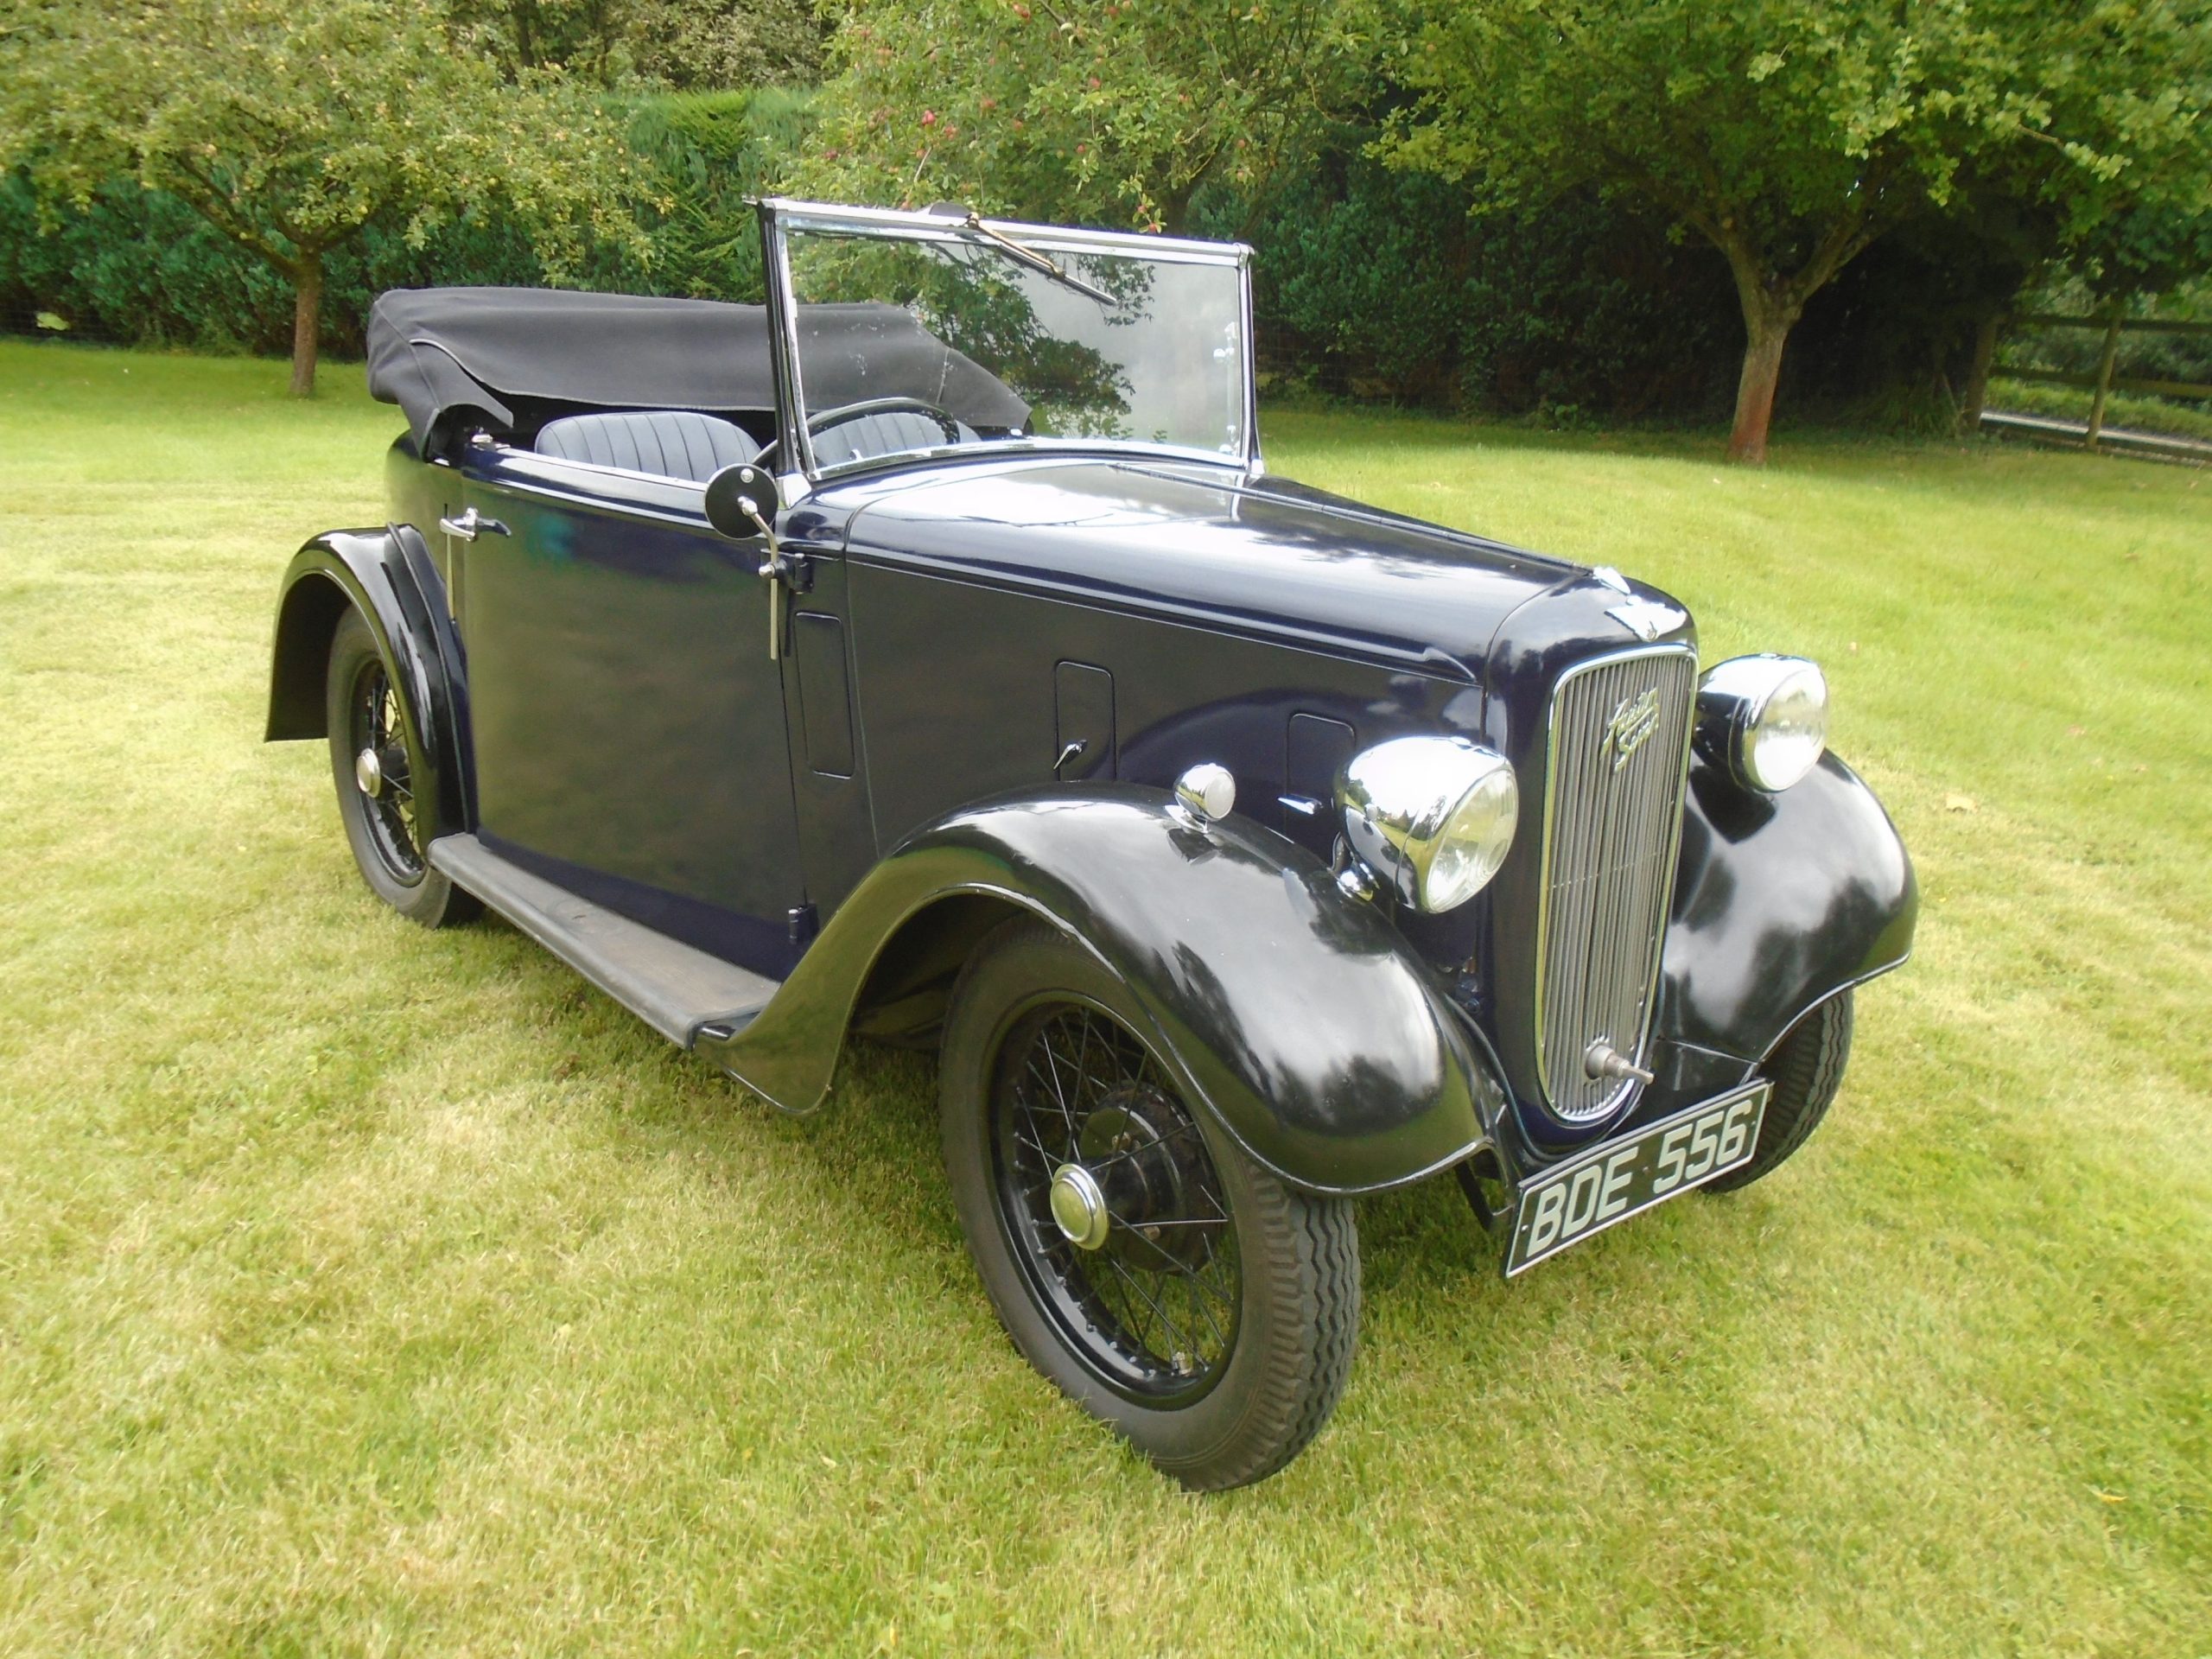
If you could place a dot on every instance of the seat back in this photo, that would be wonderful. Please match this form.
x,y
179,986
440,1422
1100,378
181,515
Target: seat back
x,y
672,442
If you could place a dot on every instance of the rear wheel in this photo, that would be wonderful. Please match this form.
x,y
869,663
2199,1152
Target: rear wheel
x,y
374,765
1137,1256
1807,1069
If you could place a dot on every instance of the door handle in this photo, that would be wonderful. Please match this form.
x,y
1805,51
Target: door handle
x,y
471,524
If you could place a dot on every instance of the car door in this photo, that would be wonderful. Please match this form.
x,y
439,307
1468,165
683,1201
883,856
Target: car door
x,y
628,723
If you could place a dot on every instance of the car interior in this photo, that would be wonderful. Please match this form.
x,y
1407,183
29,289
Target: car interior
x,y
687,444
667,389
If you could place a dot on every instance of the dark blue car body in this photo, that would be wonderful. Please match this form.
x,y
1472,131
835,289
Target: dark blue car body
x,y
996,666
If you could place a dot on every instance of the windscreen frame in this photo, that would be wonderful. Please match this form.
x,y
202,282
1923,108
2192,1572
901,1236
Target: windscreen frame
x,y
802,473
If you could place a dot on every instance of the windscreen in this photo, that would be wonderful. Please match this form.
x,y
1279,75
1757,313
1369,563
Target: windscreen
x,y
1087,346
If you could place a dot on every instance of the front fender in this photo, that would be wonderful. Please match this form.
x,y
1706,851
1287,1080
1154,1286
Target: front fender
x,y
1780,902
386,575
1294,1014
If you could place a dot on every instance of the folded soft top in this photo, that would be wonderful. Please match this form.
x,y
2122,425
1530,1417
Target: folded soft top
x,y
444,352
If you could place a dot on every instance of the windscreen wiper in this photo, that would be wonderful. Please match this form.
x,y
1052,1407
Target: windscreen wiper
x,y
1036,260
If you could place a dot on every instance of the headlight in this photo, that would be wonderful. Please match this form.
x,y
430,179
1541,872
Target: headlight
x,y
1764,718
1433,816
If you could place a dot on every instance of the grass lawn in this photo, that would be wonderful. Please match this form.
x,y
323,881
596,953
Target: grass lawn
x,y
366,1290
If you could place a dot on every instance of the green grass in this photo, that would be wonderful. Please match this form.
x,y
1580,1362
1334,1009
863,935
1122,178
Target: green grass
x,y
367,1290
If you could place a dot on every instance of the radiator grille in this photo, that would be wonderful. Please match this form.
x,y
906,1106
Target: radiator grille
x,y
1619,742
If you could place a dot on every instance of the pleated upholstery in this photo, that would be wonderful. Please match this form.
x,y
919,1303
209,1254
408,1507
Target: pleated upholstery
x,y
672,442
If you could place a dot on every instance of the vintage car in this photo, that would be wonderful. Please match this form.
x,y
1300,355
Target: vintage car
x,y
927,656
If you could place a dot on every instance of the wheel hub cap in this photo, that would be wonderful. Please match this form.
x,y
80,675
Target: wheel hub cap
x,y
1079,1207
368,773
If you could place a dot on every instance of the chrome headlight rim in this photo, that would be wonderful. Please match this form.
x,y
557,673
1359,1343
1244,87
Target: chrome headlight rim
x,y
1432,817
1741,705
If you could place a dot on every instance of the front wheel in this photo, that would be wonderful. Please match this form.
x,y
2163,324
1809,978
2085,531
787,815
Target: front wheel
x,y
1807,1069
1135,1255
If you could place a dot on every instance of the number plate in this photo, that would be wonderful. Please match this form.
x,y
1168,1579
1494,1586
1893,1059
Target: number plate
x,y
1612,1182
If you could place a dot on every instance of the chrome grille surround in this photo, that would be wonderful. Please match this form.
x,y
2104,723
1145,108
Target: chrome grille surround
x,y
1615,770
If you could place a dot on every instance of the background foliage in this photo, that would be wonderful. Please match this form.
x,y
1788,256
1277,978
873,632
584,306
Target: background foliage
x,y
1435,286
1377,283
1373,284
1792,135
139,267
288,125
1118,110
685,44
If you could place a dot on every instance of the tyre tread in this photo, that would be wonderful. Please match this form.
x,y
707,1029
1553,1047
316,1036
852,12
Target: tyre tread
x,y
1807,1069
1317,1309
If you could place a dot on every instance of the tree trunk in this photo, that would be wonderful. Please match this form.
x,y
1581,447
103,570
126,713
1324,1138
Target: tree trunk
x,y
1766,328
307,319
1771,302
2105,359
1174,207
1977,387
526,16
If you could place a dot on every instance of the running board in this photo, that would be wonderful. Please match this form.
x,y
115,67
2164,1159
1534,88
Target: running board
x,y
671,987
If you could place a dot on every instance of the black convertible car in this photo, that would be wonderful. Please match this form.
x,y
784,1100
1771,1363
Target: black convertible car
x,y
927,656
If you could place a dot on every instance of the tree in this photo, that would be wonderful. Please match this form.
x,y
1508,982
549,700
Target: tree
x,y
685,44
288,125
1112,110
1792,133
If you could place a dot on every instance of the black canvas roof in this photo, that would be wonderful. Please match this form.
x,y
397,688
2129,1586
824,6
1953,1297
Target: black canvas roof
x,y
441,352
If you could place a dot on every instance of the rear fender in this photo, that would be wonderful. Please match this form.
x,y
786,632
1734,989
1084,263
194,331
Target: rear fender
x,y
1295,1015
1780,902
386,575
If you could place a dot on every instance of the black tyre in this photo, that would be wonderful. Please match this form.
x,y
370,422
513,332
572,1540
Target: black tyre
x,y
1172,1285
373,762
1807,1069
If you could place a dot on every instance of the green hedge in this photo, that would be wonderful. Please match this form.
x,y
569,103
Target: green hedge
x,y
1375,283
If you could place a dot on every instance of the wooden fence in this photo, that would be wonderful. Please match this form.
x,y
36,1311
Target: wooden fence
x,y
2104,382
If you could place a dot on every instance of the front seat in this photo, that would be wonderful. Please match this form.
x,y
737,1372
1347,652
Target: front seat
x,y
672,442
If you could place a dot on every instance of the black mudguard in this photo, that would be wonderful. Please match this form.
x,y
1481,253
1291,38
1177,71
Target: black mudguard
x,y
1297,1016
388,575
1780,902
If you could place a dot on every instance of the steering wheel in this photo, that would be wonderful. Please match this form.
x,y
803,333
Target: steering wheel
x,y
848,412
844,412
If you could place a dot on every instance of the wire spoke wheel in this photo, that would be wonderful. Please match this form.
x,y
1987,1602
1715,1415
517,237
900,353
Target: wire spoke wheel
x,y
378,750
379,742
1112,1203
1136,1253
